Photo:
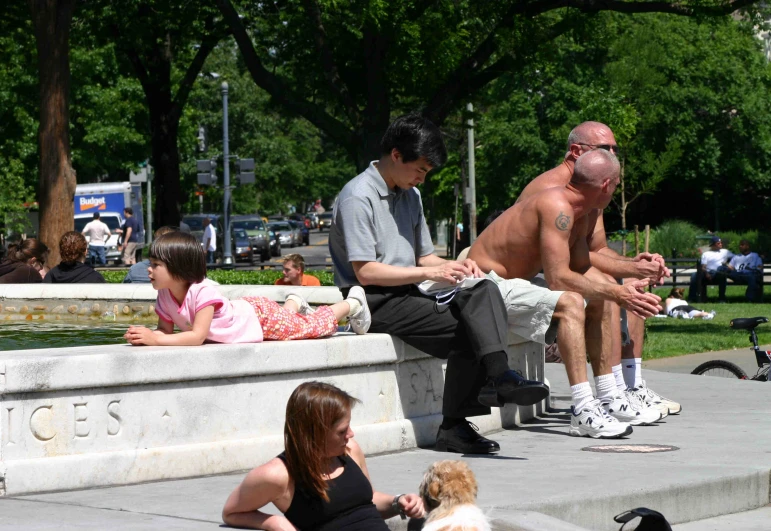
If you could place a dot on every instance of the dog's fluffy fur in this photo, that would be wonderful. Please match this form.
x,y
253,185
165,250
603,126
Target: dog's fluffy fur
x,y
449,492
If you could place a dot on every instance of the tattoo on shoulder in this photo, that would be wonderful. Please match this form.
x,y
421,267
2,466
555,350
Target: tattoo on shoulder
x,y
562,222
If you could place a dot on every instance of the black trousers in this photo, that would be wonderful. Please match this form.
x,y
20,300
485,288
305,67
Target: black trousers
x,y
472,325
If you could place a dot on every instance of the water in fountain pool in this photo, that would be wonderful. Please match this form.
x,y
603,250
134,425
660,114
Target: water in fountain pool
x,y
26,335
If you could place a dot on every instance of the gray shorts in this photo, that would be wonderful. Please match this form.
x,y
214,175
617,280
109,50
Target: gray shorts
x,y
530,306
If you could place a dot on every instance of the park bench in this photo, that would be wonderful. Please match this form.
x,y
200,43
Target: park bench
x,y
683,268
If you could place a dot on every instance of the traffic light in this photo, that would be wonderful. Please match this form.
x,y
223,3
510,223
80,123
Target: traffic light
x,y
207,172
245,169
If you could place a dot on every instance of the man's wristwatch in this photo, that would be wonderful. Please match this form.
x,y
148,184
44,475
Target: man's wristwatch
x,y
395,507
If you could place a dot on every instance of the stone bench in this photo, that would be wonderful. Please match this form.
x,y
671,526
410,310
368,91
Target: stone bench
x,y
73,418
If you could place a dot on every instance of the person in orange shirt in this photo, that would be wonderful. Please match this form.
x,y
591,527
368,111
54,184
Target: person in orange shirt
x,y
294,273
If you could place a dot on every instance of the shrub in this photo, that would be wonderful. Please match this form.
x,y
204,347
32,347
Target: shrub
x,y
678,235
264,278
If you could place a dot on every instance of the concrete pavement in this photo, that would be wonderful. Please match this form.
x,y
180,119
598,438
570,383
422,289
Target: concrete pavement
x,y
542,479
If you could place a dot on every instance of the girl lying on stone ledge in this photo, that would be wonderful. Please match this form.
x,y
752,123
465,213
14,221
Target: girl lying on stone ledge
x,y
191,302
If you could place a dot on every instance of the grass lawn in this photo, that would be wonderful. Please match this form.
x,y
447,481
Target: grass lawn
x,y
667,337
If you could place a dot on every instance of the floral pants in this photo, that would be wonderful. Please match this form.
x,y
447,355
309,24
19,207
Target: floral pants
x,y
280,324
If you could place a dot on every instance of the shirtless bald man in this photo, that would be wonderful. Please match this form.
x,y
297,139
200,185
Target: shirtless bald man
x,y
548,231
626,366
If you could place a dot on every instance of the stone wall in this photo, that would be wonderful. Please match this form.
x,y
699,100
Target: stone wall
x,y
73,418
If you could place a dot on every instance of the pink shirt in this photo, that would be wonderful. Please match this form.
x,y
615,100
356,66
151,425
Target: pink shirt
x,y
233,321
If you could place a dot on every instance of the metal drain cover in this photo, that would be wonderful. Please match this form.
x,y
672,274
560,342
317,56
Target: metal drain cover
x,y
630,448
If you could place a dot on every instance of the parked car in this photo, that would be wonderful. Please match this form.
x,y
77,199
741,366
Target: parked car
x,y
242,248
297,235
286,234
305,232
302,219
257,231
275,244
325,221
195,222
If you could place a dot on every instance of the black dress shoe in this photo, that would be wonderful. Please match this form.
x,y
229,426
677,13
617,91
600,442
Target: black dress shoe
x,y
511,388
464,439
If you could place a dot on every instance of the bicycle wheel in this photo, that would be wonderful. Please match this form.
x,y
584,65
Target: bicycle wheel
x,y
720,368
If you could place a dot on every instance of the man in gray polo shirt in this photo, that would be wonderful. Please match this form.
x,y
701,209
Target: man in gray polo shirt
x,y
379,240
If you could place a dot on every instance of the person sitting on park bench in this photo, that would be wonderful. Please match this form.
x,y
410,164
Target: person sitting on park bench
x,y
746,268
710,272
294,273
380,240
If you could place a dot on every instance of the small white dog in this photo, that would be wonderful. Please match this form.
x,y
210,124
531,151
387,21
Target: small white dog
x,y
449,492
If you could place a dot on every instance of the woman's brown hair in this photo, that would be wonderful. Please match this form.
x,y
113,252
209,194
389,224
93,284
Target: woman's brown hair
x,y
312,411
182,254
676,293
72,246
25,250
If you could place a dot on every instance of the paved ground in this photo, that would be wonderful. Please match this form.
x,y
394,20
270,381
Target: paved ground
x,y
721,466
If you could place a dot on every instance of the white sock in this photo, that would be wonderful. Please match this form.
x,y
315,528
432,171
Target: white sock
x,y
618,374
354,305
606,385
632,372
582,395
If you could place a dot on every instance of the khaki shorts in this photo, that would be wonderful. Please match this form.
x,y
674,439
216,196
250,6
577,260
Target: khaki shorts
x,y
530,306
129,253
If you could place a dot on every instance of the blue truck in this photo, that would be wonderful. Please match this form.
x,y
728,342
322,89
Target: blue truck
x,y
109,199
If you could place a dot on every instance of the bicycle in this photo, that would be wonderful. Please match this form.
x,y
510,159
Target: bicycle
x,y
726,369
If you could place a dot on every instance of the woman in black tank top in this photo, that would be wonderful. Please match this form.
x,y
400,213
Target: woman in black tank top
x,y
320,482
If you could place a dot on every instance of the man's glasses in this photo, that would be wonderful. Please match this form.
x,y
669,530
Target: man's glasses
x,y
613,148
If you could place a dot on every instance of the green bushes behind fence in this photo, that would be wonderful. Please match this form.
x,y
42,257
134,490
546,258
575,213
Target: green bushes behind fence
x,y
236,277
686,239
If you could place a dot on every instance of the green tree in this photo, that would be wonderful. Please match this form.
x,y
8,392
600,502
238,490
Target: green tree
x,y
18,120
294,163
347,66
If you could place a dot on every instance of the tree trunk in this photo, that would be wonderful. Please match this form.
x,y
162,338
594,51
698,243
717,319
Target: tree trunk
x,y
56,185
165,156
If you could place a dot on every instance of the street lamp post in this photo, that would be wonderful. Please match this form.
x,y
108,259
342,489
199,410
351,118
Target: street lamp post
x,y
227,256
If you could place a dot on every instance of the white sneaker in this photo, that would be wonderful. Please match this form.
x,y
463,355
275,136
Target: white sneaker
x,y
642,398
709,316
593,421
304,307
632,411
651,397
361,321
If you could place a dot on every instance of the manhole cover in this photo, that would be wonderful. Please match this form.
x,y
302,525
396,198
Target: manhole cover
x,y
630,448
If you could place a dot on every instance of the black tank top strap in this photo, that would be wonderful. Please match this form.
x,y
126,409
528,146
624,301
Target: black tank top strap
x,y
349,508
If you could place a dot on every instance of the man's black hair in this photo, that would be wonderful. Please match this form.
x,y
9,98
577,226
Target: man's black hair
x,y
415,136
96,215
492,217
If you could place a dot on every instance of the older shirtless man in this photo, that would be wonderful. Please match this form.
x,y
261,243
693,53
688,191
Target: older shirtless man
x,y
547,232
626,367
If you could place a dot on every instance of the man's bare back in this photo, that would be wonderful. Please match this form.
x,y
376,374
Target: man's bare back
x,y
511,245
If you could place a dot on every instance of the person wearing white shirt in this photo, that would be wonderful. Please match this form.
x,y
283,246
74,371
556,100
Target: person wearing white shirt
x,y
209,240
746,268
710,273
98,233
